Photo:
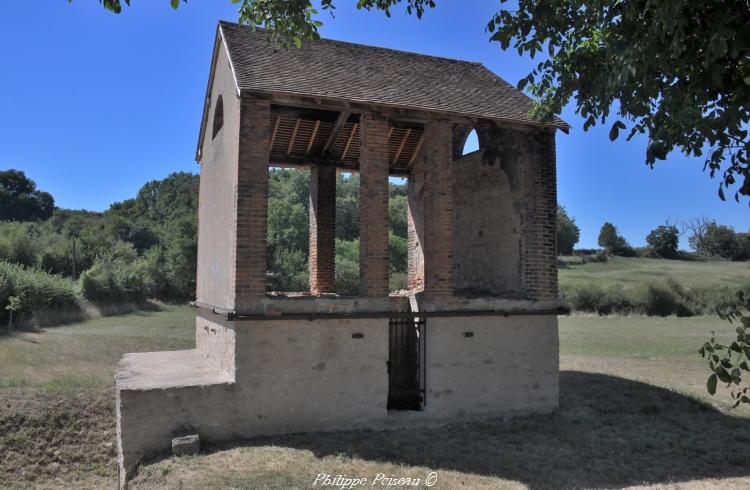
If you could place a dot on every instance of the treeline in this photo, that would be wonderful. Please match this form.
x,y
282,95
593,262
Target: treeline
x,y
706,238
140,248
146,247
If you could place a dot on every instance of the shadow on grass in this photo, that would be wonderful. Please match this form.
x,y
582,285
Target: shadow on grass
x,y
609,432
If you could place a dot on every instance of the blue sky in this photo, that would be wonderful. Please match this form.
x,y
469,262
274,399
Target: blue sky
x,y
94,105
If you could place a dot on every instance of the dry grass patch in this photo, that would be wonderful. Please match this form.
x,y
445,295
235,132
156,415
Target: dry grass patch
x,y
57,440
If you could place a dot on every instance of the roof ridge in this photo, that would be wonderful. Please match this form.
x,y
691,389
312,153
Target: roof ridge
x,y
339,41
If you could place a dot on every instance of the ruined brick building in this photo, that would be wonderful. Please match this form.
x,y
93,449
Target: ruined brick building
x,y
477,334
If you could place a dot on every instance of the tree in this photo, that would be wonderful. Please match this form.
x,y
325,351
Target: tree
x,y
568,232
612,242
720,241
698,229
663,241
20,200
677,72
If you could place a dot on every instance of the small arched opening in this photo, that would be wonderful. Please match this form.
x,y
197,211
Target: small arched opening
x,y
471,144
218,116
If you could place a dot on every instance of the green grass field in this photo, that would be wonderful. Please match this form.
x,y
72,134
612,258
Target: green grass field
x,y
633,410
625,272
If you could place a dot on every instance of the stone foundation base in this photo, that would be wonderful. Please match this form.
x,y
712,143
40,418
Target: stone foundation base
x,y
265,377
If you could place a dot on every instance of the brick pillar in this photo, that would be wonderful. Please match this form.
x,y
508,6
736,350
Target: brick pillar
x,y
322,228
373,206
249,260
437,197
540,183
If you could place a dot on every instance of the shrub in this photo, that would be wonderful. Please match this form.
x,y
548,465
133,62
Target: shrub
x,y
397,281
347,276
289,271
113,280
660,300
586,298
36,291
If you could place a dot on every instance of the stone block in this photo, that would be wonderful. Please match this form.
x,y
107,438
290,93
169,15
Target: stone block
x,y
186,445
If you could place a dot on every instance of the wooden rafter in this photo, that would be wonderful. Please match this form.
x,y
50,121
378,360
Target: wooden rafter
x,y
401,145
275,130
312,137
294,135
416,151
349,141
343,116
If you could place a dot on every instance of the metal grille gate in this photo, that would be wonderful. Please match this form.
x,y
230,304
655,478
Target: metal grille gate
x,y
406,363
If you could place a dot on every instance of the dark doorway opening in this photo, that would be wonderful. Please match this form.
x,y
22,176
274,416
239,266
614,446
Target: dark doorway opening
x,y
406,363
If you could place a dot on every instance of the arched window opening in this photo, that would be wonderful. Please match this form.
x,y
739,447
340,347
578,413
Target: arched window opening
x,y
218,116
472,143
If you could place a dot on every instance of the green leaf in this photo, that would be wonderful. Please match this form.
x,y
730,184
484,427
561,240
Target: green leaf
x,y
615,131
297,42
711,384
724,376
175,3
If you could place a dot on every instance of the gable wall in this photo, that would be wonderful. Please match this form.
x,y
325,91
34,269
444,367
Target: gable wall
x,y
217,209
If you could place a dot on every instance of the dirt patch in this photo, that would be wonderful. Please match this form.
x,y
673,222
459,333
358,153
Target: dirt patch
x,y
57,439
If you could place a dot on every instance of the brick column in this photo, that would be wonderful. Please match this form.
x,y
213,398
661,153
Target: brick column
x,y
540,272
437,196
249,260
322,229
373,206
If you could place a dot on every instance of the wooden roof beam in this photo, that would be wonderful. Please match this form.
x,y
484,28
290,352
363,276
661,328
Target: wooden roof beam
x,y
294,135
343,116
349,141
312,137
401,146
416,152
275,130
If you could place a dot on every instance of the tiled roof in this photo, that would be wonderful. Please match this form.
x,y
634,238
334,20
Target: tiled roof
x,y
365,74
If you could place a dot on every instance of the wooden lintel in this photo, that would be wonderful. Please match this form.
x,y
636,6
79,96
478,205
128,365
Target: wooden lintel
x,y
343,116
294,135
306,114
312,137
292,161
275,129
401,146
349,141
395,112
416,151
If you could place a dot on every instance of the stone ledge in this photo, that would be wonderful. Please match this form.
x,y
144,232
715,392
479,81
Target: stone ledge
x,y
167,369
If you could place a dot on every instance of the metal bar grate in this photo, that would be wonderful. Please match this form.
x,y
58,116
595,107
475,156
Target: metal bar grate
x,y
407,374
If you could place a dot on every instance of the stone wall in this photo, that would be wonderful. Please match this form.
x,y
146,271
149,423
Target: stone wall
x,y
216,230
491,365
504,241
487,232
322,375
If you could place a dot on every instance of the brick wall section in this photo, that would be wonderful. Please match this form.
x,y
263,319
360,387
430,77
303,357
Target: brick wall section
x,y
438,207
540,185
373,206
322,228
249,261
